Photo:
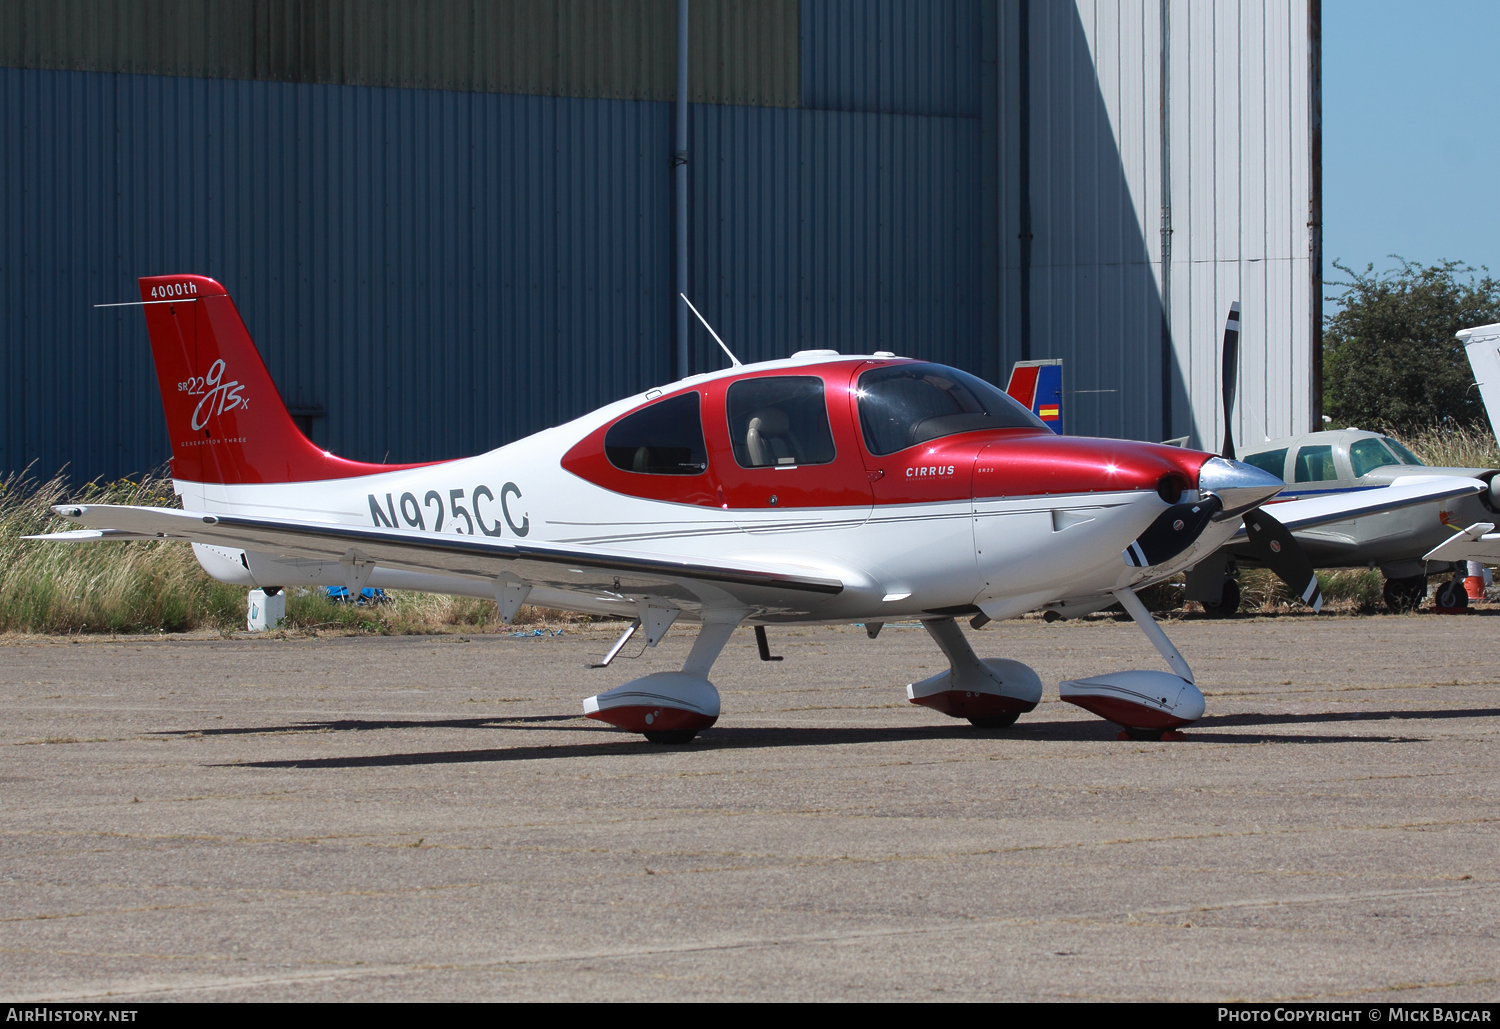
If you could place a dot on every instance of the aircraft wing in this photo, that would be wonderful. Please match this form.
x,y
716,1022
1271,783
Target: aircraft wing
x,y
1300,515
1479,542
609,575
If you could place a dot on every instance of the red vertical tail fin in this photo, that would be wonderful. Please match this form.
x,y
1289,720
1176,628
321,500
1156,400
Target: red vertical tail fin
x,y
225,417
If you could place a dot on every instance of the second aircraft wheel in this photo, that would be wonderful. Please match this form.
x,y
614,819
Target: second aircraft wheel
x,y
1004,721
1405,594
1229,601
1452,596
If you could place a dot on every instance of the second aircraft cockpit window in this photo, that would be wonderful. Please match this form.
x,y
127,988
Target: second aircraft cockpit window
x,y
906,404
779,421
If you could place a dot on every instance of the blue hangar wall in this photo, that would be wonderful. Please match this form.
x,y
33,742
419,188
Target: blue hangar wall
x,y
433,272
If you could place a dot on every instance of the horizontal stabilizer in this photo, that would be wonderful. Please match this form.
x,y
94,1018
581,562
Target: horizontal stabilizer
x,y
1479,542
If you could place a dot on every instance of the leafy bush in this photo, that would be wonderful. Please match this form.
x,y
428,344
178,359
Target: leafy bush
x,y
1390,359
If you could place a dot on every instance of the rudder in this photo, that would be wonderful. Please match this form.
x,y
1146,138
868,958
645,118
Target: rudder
x,y
1038,386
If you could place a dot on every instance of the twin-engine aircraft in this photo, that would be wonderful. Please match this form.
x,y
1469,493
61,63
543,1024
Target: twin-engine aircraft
x,y
818,489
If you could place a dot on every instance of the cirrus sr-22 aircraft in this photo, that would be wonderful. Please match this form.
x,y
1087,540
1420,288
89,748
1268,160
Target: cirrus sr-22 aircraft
x,y
817,489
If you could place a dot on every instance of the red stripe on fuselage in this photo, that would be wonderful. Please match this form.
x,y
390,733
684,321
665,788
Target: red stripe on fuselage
x,y
987,464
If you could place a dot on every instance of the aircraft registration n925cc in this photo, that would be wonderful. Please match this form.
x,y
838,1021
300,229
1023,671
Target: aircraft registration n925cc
x,y
818,489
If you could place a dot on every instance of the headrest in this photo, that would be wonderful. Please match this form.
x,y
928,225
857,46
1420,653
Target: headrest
x,y
770,421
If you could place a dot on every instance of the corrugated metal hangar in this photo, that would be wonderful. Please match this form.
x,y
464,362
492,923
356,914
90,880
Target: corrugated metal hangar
x,y
449,223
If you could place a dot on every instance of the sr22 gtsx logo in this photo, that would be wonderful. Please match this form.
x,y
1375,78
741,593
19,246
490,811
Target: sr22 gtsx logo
x,y
414,513
218,396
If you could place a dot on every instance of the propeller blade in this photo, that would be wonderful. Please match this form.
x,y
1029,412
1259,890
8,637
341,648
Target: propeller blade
x,y
1231,372
1173,531
1276,547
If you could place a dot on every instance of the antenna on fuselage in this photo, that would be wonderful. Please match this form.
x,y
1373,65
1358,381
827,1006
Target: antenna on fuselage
x,y
710,329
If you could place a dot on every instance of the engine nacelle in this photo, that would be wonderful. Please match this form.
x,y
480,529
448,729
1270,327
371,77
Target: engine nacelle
x,y
1137,700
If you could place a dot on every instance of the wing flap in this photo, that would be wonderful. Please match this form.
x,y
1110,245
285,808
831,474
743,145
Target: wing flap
x,y
93,536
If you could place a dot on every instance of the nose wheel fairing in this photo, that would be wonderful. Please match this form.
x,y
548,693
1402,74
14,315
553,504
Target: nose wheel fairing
x,y
1141,700
1138,699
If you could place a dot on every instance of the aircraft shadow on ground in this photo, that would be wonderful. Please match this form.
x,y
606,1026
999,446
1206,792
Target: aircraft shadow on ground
x,y
751,738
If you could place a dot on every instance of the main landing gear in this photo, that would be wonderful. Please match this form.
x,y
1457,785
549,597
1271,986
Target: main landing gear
x,y
991,693
1149,705
1405,593
670,707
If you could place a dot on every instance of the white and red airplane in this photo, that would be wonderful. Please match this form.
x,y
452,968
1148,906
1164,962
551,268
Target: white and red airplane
x,y
818,489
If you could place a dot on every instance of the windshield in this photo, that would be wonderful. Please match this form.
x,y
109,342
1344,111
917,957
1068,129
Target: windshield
x,y
1367,454
1406,456
906,404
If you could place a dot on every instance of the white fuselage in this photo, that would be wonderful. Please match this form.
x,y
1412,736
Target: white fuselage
x,y
1006,556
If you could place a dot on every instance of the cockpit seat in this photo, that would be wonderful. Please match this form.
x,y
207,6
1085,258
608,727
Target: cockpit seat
x,y
768,439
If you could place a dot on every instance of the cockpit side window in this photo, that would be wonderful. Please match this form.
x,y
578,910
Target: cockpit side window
x,y
1367,454
663,439
1315,464
1273,461
779,421
906,404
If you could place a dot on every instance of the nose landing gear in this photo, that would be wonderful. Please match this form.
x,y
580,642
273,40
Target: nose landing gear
x,y
1150,705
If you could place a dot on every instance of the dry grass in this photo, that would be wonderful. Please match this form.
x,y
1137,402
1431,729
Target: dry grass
x,y
1345,591
101,587
407,613
149,586
1453,446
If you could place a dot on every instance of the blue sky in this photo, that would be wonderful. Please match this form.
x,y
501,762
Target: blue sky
x,y
1411,132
